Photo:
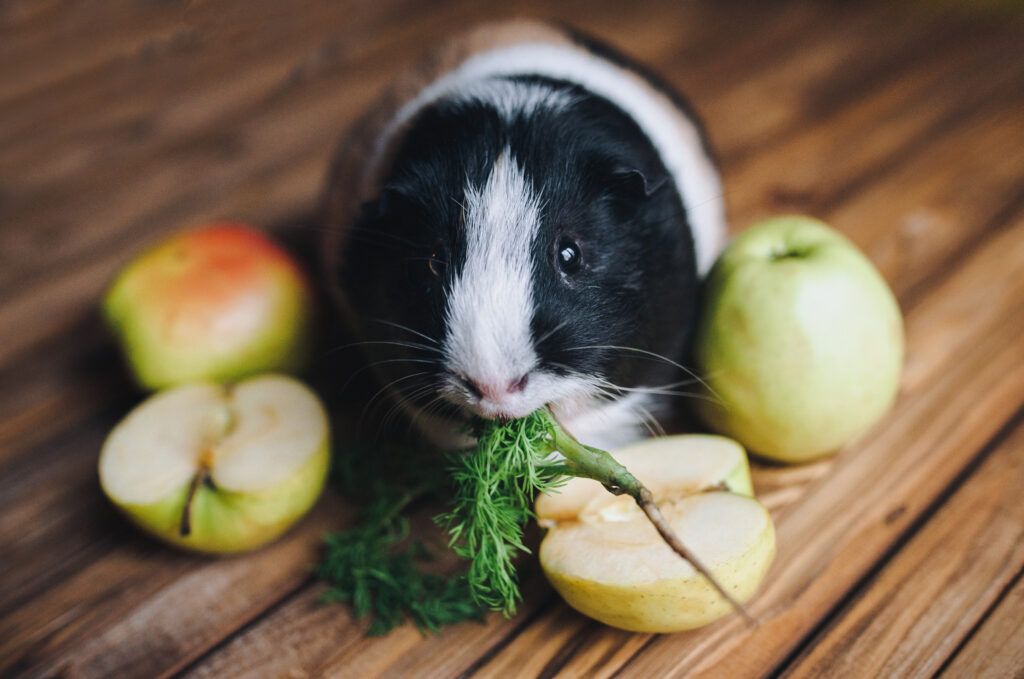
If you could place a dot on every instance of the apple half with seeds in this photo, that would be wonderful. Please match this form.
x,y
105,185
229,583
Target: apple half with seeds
x,y
218,468
607,561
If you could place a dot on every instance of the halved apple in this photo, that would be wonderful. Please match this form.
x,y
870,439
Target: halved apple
x,y
608,562
219,468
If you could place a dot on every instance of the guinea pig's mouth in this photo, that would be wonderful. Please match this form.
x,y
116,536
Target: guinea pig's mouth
x,y
511,399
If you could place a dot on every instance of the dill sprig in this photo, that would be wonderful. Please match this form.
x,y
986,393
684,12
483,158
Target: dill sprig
x,y
377,568
495,484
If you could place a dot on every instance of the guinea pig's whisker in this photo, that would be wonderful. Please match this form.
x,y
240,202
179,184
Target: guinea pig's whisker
x,y
407,329
646,418
394,343
369,366
405,402
432,406
550,333
665,390
662,390
650,354
649,420
372,240
367,232
646,422
384,389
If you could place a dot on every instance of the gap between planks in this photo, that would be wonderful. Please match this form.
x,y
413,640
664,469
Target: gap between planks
x,y
999,453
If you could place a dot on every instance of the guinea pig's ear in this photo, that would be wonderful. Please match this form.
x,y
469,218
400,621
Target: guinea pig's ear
x,y
392,200
629,189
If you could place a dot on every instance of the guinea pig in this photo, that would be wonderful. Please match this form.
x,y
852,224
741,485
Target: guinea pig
x,y
523,220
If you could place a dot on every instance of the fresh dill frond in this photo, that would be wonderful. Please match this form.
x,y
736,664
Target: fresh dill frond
x,y
377,568
495,484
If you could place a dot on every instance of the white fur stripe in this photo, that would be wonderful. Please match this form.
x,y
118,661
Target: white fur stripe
x,y
673,135
490,305
513,99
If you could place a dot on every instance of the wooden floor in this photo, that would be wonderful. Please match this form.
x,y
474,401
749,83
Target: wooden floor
x,y
900,123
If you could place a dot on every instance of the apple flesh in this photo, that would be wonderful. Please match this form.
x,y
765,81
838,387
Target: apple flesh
x,y
219,469
607,560
800,341
216,303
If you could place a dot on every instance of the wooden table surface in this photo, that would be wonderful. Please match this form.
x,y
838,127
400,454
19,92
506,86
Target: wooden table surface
x,y
900,123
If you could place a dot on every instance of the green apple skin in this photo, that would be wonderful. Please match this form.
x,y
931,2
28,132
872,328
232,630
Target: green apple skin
x,y
220,302
800,341
225,522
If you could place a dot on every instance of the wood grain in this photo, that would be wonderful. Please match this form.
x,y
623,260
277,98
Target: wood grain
x,y
123,121
908,619
994,650
143,610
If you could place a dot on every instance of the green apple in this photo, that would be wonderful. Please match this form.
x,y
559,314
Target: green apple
x,y
606,559
216,468
800,341
215,303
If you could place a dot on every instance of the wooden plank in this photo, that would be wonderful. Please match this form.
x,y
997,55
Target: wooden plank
x,y
837,155
49,43
769,103
908,619
315,646
994,650
63,385
144,610
53,513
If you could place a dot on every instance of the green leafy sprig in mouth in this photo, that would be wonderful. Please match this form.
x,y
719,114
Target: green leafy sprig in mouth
x,y
495,484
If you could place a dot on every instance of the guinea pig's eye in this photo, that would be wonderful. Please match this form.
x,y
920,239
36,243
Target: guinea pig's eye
x,y
434,263
568,255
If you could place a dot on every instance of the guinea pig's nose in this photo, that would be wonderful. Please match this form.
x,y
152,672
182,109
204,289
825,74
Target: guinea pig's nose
x,y
517,386
496,390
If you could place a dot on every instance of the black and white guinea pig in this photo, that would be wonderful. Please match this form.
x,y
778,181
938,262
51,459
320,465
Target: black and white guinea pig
x,y
522,220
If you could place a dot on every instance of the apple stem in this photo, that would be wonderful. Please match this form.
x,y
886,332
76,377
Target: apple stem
x,y
594,463
185,528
